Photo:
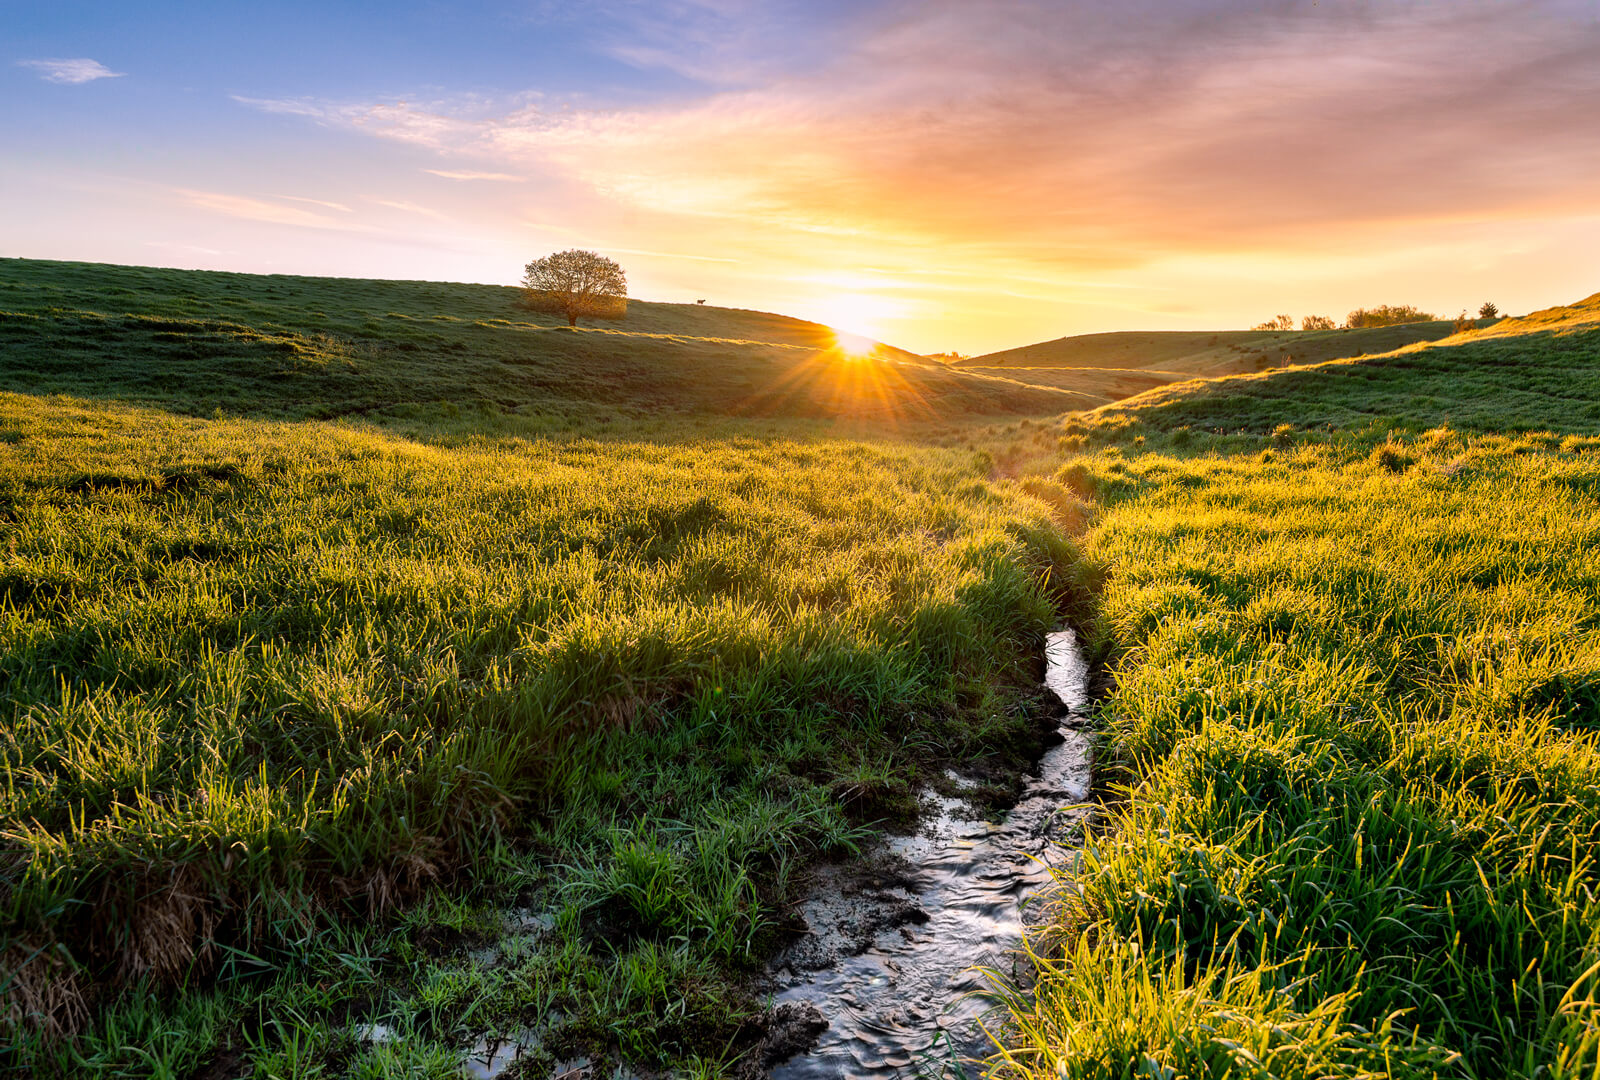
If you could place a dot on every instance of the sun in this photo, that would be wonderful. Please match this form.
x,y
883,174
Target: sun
x,y
853,346
858,315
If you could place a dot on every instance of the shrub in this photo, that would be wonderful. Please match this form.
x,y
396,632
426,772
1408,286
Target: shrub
x,y
1318,322
1387,315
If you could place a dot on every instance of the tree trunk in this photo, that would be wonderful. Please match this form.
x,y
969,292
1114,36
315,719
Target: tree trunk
x,y
572,320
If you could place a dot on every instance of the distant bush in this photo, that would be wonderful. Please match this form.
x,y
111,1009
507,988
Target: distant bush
x,y
1488,311
1318,322
1280,322
1465,322
1387,315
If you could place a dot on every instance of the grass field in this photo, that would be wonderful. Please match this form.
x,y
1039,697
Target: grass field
x,y
272,682
208,344
1208,352
379,659
1356,705
1095,386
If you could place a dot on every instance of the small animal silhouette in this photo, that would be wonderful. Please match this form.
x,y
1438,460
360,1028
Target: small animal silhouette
x,y
699,301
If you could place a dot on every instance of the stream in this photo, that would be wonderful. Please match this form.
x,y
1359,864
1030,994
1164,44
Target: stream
x,y
948,903
899,942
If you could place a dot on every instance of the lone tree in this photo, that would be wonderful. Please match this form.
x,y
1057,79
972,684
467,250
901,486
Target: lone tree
x,y
1489,311
576,284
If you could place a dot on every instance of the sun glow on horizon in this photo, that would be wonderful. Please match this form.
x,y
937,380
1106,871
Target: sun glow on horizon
x,y
853,346
861,314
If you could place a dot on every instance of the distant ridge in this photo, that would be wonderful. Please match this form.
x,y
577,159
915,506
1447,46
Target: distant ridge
x,y
1537,372
1210,352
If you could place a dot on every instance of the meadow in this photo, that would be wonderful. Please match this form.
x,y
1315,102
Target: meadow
x,y
214,344
385,669
1350,754
1207,353
297,709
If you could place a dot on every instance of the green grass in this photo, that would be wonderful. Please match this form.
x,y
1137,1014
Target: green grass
x,y
1355,720
374,654
296,709
208,344
1211,352
1536,373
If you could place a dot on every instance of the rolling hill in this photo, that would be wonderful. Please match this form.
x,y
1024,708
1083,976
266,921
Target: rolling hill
x,y
1354,614
1536,372
523,704
1112,366
301,347
1204,352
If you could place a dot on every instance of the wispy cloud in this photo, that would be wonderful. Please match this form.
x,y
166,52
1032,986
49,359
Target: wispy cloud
x,y
409,208
252,209
341,207
390,120
1078,137
452,174
71,72
665,254
1145,156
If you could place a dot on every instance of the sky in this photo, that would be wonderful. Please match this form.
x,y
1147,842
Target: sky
x,y
946,175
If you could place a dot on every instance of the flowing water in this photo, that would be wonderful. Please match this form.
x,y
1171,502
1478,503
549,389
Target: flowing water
x,y
956,903
897,953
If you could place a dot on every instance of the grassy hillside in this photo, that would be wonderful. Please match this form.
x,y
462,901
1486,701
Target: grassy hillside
x,y
1533,373
1357,711
308,348
371,667
298,712
1097,386
1205,352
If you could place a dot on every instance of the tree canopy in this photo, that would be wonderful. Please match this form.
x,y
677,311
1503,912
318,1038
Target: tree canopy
x,y
576,284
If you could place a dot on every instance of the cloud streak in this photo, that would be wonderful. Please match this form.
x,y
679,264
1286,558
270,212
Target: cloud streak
x,y
72,72
1072,136
457,174
247,208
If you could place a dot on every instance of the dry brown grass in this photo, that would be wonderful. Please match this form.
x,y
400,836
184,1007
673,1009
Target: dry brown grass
x,y
42,991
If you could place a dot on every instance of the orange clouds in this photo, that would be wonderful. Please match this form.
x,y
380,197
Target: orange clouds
x,y
1083,152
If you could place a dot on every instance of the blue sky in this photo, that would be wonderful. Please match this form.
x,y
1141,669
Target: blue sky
x,y
942,174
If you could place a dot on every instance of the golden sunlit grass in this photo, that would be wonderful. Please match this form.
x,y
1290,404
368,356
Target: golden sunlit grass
x,y
465,614
1354,617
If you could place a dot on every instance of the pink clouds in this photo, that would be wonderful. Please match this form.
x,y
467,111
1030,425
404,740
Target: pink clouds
x,y
1090,140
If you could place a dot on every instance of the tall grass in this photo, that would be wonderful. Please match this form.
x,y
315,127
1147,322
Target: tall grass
x,y
260,676
1355,718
